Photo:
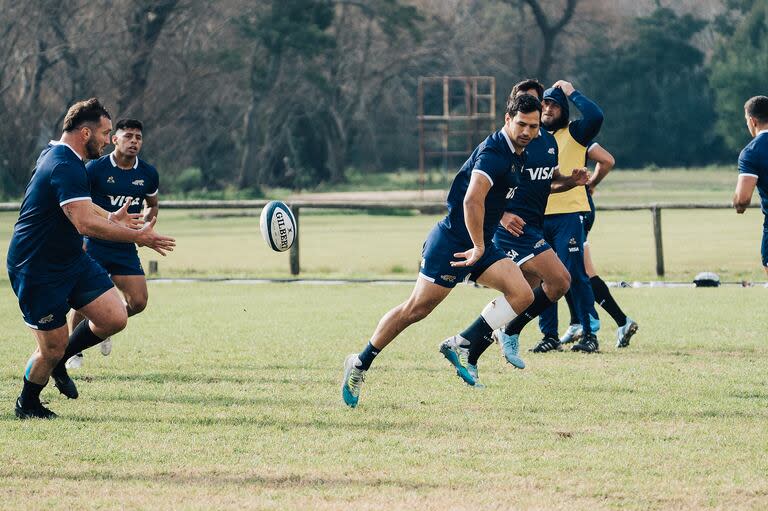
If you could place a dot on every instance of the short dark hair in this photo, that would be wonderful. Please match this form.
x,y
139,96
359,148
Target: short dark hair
x,y
129,124
757,107
526,85
525,103
83,112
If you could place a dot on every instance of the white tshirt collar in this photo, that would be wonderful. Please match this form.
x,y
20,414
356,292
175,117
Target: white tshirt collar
x,y
59,142
114,163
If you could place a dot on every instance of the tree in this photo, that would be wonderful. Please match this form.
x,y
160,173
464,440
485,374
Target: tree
x,y
655,94
740,66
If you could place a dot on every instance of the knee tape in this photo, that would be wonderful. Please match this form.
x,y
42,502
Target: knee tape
x,y
498,313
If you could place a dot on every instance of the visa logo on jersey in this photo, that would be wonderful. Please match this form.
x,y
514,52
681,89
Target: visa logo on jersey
x,y
541,173
119,200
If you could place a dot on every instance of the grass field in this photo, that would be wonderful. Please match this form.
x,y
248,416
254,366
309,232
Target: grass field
x,y
226,396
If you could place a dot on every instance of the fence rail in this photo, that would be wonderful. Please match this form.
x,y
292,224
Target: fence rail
x,y
423,207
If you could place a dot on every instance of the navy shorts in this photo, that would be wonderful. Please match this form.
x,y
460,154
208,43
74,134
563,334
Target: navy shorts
x,y
44,300
524,247
438,253
116,259
764,246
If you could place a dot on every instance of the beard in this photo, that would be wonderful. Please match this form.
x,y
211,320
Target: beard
x,y
92,149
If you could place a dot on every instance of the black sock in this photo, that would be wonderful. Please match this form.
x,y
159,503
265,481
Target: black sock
x,y
477,331
30,393
606,301
540,302
81,339
367,355
572,309
477,348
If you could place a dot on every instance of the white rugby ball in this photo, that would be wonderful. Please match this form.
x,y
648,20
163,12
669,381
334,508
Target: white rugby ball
x,y
278,226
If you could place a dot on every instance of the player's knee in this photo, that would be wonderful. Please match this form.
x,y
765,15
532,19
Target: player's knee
x,y
414,312
116,322
520,299
560,284
137,305
52,354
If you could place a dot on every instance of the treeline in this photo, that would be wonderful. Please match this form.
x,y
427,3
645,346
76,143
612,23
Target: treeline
x,y
243,94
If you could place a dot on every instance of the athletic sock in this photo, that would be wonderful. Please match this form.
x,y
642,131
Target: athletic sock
x,y
477,348
30,393
572,309
540,302
81,339
477,331
366,356
606,301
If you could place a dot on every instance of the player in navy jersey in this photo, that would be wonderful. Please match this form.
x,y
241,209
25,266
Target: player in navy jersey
x,y
521,235
116,179
460,247
753,166
48,269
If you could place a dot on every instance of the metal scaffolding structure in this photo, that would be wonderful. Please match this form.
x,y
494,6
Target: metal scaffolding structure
x,y
451,127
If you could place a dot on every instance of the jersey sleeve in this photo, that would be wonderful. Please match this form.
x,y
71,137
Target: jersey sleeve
x,y
70,183
154,181
585,129
490,164
748,163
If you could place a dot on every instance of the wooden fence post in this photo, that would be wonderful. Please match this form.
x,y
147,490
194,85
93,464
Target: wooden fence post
x,y
295,269
656,210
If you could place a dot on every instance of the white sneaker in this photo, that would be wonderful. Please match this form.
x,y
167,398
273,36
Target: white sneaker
x,y
106,346
74,362
573,334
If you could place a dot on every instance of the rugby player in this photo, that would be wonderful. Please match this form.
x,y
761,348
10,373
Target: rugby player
x,y
460,246
521,237
116,179
753,165
48,269
627,327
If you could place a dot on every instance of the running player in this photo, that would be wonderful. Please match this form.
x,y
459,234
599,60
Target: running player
x,y
475,206
753,165
117,179
627,327
521,237
48,269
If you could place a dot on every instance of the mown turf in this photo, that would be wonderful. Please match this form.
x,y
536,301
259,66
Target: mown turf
x,y
225,396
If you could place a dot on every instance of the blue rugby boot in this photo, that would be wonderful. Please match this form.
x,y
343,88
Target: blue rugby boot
x,y
625,333
594,323
510,346
353,380
472,369
456,354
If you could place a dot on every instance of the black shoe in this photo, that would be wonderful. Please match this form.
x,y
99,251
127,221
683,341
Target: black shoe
x,y
588,344
548,343
63,382
35,411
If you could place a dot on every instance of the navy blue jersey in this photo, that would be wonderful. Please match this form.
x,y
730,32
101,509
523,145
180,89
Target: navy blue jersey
x,y
111,187
529,199
495,159
45,243
753,161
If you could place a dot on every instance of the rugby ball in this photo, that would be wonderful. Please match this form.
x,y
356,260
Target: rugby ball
x,y
278,226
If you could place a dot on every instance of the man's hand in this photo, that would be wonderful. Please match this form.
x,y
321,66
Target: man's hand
x,y
567,87
130,220
149,238
513,223
470,256
580,176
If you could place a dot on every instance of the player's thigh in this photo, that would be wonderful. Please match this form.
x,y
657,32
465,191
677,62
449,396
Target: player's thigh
x,y
52,343
547,267
504,275
426,295
134,287
107,310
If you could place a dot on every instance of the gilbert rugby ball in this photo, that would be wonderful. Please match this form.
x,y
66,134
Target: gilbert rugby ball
x,y
278,226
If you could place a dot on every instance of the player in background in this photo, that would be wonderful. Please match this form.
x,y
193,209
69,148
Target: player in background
x,y
521,236
753,165
627,327
117,179
48,269
563,229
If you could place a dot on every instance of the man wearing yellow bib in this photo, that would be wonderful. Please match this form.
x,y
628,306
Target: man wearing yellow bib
x,y
563,228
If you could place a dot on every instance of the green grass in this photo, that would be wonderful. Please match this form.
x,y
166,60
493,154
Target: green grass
x,y
226,397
